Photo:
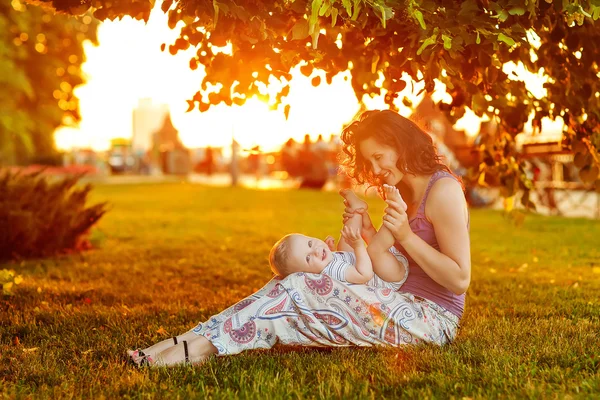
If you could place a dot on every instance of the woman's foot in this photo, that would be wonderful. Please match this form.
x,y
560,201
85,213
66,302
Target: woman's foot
x,y
353,200
392,193
139,358
152,351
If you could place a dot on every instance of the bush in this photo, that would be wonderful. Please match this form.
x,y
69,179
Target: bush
x,y
8,279
43,216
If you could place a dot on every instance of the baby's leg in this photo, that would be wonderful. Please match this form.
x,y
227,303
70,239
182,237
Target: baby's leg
x,y
385,265
355,223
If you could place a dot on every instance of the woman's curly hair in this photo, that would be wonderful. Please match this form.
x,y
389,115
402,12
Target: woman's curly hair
x,y
417,154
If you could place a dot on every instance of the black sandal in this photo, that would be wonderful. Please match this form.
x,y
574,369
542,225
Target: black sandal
x,y
185,350
145,361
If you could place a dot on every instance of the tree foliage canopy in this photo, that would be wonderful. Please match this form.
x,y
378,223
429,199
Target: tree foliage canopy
x,y
40,64
462,44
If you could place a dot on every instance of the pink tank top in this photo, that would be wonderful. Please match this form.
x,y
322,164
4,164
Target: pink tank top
x,y
418,282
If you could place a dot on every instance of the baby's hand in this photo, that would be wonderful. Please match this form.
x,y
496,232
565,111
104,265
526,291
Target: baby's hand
x,y
330,242
352,237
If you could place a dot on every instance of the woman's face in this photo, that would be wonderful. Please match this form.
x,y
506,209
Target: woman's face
x,y
381,160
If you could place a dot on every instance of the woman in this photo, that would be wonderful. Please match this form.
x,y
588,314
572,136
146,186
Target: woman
x,y
431,229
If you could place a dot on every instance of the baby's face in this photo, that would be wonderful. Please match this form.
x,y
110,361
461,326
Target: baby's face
x,y
308,254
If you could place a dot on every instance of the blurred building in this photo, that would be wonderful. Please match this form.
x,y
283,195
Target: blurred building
x,y
168,151
148,117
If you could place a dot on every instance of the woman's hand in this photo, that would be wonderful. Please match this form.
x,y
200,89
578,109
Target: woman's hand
x,y
396,220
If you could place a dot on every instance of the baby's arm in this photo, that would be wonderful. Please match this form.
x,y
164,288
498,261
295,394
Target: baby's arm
x,y
362,272
343,245
330,242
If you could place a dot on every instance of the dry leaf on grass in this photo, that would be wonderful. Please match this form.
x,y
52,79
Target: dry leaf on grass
x,y
161,331
30,350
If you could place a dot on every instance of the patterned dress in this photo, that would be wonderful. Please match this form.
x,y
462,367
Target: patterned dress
x,y
315,310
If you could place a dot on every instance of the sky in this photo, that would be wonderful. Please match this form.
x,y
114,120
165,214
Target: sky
x,y
128,65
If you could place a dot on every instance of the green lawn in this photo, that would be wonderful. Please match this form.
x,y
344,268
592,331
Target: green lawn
x,y
171,255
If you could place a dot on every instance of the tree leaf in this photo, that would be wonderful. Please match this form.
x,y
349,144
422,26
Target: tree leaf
x,y
314,16
347,6
315,37
447,42
334,15
502,15
516,11
357,7
374,62
426,43
216,7
506,39
419,16
300,30
324,8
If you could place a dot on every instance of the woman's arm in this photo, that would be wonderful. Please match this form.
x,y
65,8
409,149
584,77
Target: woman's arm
x,y
447,211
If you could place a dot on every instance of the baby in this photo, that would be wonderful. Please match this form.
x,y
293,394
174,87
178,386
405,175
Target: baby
x,y
299,253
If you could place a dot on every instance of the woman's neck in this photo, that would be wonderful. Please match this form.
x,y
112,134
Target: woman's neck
x,y
417,184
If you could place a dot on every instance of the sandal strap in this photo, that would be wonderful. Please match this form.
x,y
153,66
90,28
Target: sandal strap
x,y
185,350
174,339
145,361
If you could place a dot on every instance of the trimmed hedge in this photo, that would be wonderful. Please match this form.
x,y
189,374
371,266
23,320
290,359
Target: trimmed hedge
x,y
42,216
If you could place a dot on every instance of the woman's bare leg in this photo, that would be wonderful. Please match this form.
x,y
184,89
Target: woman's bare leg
x,y
159,347
199,350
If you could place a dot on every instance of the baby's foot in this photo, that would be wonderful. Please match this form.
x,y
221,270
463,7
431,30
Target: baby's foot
x,y
353,200
392,193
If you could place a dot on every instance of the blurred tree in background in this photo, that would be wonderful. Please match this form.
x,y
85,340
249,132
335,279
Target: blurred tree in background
x,y
40,64
463,44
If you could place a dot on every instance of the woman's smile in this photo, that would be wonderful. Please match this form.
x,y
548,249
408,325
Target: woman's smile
x,y
382,160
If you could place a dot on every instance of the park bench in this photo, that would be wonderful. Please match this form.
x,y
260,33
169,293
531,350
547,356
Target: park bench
x,y
555,190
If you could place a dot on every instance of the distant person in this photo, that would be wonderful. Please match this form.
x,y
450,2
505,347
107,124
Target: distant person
x,y
305,157
289,159
313,168
255,160
209,161
320,147
542,181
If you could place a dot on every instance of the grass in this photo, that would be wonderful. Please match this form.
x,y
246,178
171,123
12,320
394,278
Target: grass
x,y
171,255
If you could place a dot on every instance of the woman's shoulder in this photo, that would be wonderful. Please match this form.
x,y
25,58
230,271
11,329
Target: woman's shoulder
x,y
445,196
